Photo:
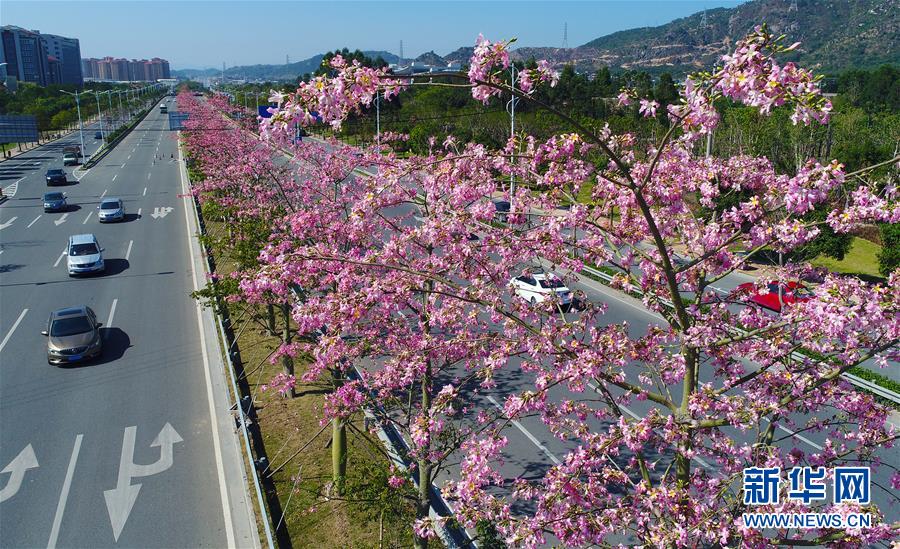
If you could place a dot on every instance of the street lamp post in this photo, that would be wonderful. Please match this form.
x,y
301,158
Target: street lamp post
x,y
511,108
99,114
121,113
109,97
77,96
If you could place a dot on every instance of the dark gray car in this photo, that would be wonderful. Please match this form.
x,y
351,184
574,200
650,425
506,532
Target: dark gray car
x,y
73,335
55,202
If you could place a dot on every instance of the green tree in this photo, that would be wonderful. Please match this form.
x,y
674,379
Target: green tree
x,y
889,258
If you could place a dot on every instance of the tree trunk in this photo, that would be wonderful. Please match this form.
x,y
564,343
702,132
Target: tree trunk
x,y
338,444
287,363
270,311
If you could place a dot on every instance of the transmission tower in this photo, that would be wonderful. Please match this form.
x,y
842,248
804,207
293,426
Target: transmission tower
x,y
565,43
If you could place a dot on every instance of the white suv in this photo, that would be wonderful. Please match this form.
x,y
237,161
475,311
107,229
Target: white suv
x,y
536,286
84,255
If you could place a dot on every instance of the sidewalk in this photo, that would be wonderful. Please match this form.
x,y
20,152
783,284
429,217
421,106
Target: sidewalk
x,y
28,147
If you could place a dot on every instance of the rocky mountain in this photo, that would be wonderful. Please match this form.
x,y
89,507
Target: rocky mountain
x,y
835,35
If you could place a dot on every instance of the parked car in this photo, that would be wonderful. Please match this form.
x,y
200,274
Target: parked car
x,y
774,294
73,335
84,255
55,202
111,209
98,135
56,176
70,159
536,286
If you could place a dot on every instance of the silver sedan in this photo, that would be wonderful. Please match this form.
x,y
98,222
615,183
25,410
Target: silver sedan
x,y
111,209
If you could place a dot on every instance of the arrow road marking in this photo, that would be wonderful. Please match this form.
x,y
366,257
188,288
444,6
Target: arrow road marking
x,y
120,500
8,223
61,220
17,467
160,212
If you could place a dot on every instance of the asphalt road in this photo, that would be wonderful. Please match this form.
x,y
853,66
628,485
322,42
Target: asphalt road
x,y
134,449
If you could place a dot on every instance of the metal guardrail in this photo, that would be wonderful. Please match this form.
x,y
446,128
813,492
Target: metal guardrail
x,y
864,384
266,519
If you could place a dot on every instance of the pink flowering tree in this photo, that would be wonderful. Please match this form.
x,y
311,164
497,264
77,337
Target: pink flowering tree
x,y
408,271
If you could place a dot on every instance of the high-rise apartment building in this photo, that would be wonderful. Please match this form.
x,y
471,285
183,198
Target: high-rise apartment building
x,y
110,68
68,52
24,54
40,58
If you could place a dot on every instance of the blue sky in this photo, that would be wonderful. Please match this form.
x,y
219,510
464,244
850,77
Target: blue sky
x,y
206,33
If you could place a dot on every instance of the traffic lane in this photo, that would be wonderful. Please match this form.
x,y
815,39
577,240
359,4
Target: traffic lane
x,y
45,156
138,291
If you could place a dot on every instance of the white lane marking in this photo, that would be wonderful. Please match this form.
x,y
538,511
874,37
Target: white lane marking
x,y
145,189
8,223
13,329
800,437
115,176
139,212
11,189
1,252
148,175
33,222
129,158
128,253
88,217
58,259
123,164
61,220
104,193
112,313
217,446
531,437
64,495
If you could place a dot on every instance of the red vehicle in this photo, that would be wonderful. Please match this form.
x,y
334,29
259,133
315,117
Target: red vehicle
x,y
775,294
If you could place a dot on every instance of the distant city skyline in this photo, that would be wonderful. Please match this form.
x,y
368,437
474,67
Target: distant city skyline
x,y
203,34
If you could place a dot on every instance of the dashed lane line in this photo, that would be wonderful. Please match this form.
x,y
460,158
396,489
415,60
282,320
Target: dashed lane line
x,y
115,176
128,252
104,193
145,191
87,218
139,212
112,314
531,437
64,494
58,259
33,221
13,329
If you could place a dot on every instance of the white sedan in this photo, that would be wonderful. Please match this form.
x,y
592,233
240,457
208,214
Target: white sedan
x,y
536,286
